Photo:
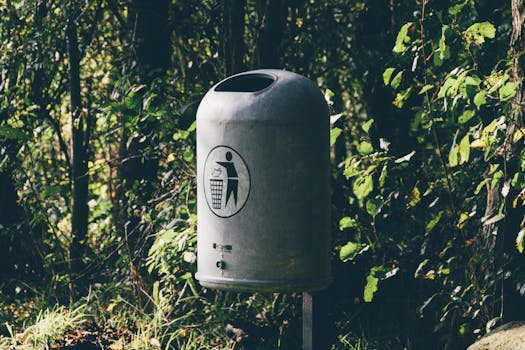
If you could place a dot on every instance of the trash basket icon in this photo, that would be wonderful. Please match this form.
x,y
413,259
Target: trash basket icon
x,y
216,193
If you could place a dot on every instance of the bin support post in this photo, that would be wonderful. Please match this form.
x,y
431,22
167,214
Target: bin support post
x,y
315,325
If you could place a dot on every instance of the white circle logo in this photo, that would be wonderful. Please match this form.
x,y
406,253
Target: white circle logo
x,y
226,181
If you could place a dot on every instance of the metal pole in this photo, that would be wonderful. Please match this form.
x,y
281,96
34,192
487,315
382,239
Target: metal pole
x,y
315,334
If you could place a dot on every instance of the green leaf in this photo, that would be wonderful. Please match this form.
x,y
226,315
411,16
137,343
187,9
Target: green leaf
x,y
376,273
453,157
444,52
352,167
7,132
328,94
402,38
363,186
192,127
348,222
366,126
382,177
365,148
518,180
50,191
454,10
464,329
373,207
463,218
382,272
133,101
414,197
349,251
432,223
425,89
188,155
387,74
466,116
498,175
464,149
480,186
496,80
156,294
493,168
334,134
477,32
397,80
370,288
444,91
520,240
401,97
472,80
480,99
507,91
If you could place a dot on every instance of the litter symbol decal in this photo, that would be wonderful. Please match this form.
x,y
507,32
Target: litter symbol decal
x,y
226,181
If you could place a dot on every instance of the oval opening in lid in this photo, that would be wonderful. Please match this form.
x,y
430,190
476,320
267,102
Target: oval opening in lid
x,y
246,83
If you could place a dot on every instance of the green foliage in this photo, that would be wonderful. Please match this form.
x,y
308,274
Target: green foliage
x,y
376,274
428,128
477,32
370,288
402,38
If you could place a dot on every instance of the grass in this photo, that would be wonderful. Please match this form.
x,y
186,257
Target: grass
x,y
50,324
124,325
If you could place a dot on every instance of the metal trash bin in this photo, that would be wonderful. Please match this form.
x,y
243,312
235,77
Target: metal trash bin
x,y
263,184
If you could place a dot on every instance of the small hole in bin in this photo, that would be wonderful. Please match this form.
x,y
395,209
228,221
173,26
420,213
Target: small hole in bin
x,y
246,83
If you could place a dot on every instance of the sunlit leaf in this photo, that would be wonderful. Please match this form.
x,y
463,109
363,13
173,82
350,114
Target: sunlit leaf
x,y
480,186
373,207
363,186
402,38
518,135
480,99
453,156
507,91
387,74
425,89
464,150
370,288
432,223
365,148
466,116
414,197
396,81
401,98
366,126
520,240
188,155
477,32
334,134
454,10
350,250
463,218
347,222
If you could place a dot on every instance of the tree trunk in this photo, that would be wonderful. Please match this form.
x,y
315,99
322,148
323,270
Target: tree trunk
x,y
511,260
10,213
152,40
517,46
79,170
272,18
233,35
138,168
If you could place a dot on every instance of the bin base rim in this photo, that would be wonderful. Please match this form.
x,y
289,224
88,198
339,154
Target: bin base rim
x,y
250,285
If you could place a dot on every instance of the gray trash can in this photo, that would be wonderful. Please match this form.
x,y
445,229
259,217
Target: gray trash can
x,y
263,184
